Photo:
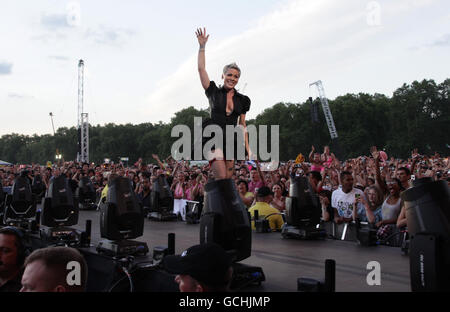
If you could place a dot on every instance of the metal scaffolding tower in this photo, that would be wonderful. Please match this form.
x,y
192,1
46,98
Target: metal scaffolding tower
x,y
83,123
326,109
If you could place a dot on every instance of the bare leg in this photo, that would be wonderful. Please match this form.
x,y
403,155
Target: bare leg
x,y
219,170
218,167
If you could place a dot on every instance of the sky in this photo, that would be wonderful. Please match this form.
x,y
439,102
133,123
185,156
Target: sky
x,y
140,55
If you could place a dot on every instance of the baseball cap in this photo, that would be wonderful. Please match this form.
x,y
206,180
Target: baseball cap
x,y
207,263
264,191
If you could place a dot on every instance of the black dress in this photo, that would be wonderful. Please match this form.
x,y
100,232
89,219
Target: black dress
x,y
217,98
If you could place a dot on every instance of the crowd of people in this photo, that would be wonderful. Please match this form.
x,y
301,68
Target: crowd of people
x,y
367,188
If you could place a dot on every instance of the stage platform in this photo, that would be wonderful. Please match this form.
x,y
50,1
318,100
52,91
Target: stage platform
x,y
285,260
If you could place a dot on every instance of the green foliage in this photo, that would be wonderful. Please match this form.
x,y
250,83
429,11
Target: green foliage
x,y
416,116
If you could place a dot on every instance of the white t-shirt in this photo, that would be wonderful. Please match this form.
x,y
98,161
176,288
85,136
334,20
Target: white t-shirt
x,y
344,202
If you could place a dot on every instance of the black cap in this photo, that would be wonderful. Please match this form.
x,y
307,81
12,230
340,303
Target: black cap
x,y
207,263
264,191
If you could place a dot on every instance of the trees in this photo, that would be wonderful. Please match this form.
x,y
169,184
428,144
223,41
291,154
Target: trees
x,y
416,116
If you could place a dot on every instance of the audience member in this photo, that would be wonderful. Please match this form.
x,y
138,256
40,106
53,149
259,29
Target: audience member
x,y
246,196
201,268
263,198
278,201
55,269
343,199
370,210
12,256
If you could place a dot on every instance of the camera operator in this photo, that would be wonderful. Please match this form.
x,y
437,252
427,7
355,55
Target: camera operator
x,y
12,254
49,270
201,268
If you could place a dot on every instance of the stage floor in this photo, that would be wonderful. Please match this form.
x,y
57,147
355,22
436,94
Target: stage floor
x,y
285,260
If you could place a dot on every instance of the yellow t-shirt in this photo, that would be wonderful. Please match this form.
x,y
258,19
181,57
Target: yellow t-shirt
x,y
264,209
104,191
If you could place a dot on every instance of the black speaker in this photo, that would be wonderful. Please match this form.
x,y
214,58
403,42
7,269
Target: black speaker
x,y
225,219
58,207
21,203
121,216
427,206
302,204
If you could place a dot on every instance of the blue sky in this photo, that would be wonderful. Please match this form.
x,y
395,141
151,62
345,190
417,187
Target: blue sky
x,y
140,56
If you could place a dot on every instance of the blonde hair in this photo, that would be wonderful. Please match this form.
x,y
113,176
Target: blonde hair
x,y
231,66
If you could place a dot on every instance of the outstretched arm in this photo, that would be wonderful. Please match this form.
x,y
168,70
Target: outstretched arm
x,y
159,161
202,39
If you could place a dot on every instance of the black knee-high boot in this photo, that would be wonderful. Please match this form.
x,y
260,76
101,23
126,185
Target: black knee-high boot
x,y
225,219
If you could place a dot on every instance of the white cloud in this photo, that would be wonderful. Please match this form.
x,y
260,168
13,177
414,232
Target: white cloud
x,y
109,35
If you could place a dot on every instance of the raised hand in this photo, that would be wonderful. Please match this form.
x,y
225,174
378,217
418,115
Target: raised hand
x,y
414,153
201,37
